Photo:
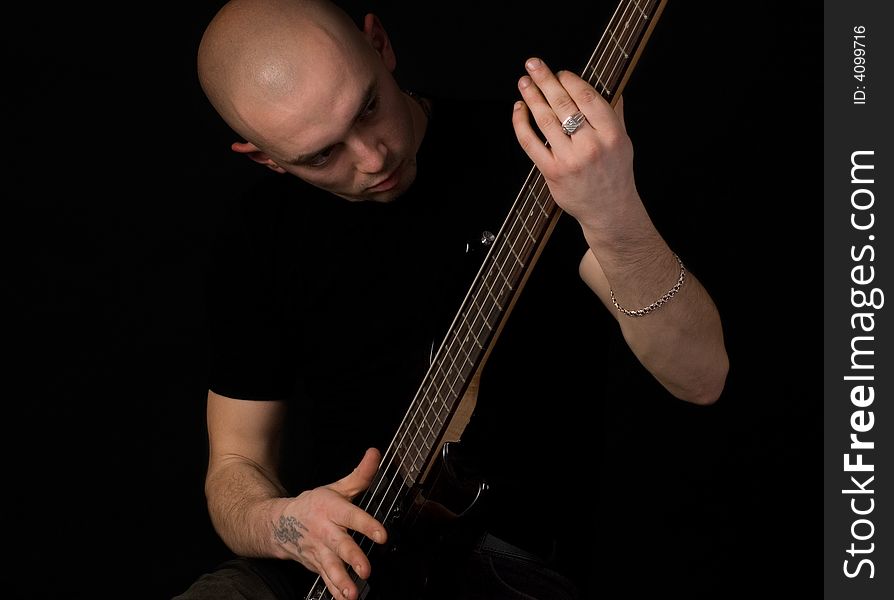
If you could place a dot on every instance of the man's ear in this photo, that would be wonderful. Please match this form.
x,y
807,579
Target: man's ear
x,y
254,153
374,31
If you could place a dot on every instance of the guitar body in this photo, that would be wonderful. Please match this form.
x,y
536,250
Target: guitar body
x,y
441,523
436,524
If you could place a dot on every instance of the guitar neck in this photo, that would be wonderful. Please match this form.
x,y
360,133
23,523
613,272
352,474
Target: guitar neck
x,y
495,289
509,262
500,279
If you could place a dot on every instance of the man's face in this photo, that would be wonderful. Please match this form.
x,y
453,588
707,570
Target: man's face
x,y
347,128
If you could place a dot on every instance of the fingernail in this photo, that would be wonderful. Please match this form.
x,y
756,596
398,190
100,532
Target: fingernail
x,y
533,63
524,82
518,105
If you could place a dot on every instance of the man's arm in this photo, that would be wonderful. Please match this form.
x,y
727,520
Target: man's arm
x,y
681,343
253,513
590,176
241,483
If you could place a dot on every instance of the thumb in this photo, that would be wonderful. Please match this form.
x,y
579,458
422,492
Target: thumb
x,y
360,478
619,110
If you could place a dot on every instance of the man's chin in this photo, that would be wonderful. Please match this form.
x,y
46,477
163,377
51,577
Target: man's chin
x,y
407,177
391,195
380,197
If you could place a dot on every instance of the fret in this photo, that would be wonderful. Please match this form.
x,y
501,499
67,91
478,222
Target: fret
x,y
432,419
513,253
645,16
412,458
433,412
476,304
524,224
474,337
452,390
459,372
407,466
503,275
407,462
462,365
631,24
415,446
599,81
611,35
458,379
468,358
532,189
519,218
484,322
518,259
490,292
451,383
479,307
480,313
507,280
490,312
418,463
406,444
475,340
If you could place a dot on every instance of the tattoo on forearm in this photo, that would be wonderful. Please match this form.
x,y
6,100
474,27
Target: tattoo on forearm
x,y
288,530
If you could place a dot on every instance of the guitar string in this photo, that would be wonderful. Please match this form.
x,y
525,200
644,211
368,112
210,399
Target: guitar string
x,y
621,53
439,365
509,251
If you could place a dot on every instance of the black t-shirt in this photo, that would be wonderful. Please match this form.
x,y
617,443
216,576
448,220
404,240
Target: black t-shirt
x,y
336,306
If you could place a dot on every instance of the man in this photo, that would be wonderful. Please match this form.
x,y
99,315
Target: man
x,y
309,316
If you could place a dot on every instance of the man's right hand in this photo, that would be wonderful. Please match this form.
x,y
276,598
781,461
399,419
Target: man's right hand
x,y
314,528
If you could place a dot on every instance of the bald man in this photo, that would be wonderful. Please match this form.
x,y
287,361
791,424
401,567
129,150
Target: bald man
x,y
310,305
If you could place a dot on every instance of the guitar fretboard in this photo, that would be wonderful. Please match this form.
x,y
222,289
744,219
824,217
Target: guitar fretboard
x,y
502,275
510,259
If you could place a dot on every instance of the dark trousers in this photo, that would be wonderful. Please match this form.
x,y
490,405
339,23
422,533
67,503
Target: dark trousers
x,y
494,570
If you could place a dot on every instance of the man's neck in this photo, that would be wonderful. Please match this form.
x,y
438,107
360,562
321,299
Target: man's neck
x,y
420,110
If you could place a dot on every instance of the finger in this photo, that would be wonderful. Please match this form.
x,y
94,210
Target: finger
x,y
360,478
598,111
544,114
357,519
346,548
336,577
558,98
530,142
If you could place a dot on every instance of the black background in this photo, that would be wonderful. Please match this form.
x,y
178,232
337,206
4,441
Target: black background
x,y
116,172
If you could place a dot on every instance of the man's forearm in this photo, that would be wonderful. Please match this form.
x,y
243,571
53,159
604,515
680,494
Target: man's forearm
x,y
242,500
680,342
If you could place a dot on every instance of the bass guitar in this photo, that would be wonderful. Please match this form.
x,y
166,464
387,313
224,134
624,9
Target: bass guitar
x,y
420,485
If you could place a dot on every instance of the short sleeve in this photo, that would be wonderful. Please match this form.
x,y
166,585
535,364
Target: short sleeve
x,y
247,351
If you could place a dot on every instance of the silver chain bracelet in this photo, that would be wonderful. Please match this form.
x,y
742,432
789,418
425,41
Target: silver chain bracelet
x,y
658,303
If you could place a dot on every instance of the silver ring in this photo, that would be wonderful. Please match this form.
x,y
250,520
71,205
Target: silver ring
x,y
571,124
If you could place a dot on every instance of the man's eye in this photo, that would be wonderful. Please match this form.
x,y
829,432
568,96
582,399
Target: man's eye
x,y
370,108
321,159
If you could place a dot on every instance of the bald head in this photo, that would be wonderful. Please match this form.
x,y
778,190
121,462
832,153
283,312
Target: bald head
x,y
258,53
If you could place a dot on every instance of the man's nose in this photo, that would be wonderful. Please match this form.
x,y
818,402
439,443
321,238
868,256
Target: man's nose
x,y
371,154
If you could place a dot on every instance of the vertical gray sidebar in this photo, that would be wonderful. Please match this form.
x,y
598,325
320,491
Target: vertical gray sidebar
x,y
858,374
